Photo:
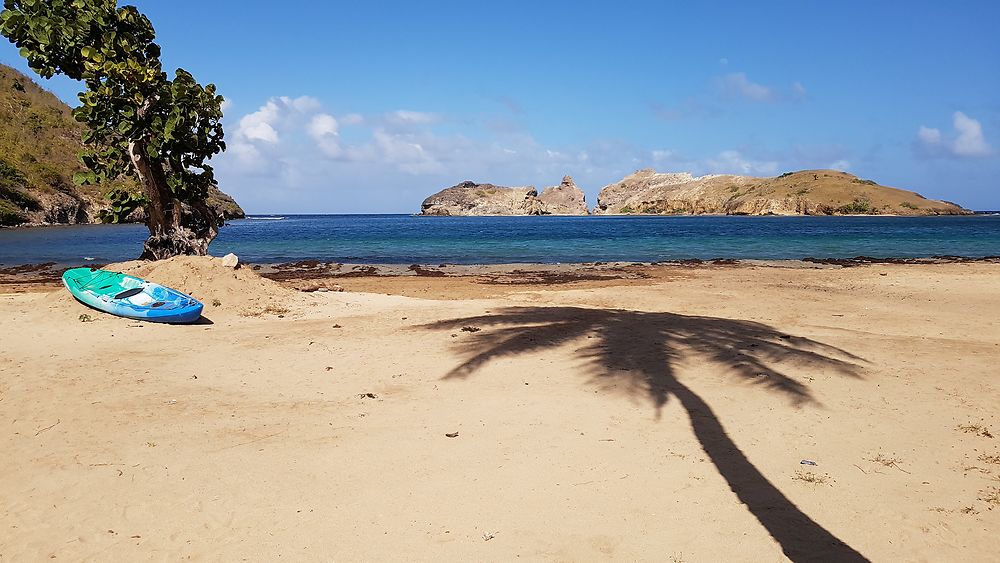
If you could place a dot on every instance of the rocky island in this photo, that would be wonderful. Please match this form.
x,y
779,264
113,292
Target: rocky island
x,y
39,144
648,192
470,198
564,199
807,192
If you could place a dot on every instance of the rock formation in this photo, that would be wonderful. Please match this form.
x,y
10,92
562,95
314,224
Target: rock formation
x,y
470,198
808,192
564,199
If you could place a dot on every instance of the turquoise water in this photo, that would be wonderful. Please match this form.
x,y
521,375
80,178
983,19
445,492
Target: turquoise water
x,y
405,239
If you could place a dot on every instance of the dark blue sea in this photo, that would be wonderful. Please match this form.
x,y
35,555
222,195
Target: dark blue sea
x,y
405,239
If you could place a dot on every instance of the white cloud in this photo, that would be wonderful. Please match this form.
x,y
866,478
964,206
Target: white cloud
x,y
966,141
244,151
263,124
322,125
735,162
738,85
970,140
660,155
731,161
257,125
406,152
842,165
352,119
302,104
929,135
323,129
407,117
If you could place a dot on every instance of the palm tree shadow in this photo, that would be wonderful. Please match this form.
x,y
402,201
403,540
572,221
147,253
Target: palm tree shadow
x,y
640,349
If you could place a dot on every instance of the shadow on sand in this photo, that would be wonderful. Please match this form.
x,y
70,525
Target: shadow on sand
x,y
640,351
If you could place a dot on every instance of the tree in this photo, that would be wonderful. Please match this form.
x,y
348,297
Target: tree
x,y
139,123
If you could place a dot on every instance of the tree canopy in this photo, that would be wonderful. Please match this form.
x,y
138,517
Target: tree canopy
x,y
139,122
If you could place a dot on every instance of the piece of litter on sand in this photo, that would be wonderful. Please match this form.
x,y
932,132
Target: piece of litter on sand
x,y
488,537
452,434
471,329
807,462
367,396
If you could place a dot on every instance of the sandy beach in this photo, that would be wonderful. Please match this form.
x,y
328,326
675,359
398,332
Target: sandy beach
x,y
616,412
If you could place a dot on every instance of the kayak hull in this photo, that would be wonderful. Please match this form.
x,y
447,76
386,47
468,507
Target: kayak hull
x,y
131,297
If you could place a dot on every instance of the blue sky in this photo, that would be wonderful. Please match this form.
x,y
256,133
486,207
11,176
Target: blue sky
x,y
370,107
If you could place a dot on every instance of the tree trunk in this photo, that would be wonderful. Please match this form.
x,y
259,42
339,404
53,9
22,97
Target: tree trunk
x,y
175,228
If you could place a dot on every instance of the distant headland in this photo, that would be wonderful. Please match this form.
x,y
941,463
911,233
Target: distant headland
x,y
648,192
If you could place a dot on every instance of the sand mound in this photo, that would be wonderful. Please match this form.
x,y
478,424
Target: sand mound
x,y
241,291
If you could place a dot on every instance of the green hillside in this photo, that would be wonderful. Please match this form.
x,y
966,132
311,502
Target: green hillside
x,y
39,144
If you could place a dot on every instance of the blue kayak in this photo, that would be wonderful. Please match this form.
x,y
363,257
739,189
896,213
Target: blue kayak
x,y
131,297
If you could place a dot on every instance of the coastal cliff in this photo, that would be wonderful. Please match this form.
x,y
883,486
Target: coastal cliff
x,y
39,144
470,198
808,192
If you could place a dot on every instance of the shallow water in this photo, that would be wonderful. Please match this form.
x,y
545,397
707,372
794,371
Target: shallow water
x,y
405,239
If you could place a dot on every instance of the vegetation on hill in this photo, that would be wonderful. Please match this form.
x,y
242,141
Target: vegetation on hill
x,y
39,144
39,154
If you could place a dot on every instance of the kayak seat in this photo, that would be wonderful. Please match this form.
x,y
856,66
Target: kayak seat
x,y
128,293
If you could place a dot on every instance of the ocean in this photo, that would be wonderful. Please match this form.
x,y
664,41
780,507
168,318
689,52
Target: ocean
x,y
406,239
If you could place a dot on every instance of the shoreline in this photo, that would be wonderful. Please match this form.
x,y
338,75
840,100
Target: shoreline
x,y
316,275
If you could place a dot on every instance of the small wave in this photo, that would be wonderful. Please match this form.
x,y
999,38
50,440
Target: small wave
x,y
265,218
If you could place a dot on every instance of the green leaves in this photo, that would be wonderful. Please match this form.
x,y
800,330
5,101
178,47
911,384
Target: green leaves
x,y
92,54
10,21
168,131
128,102
84,178
123,202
